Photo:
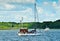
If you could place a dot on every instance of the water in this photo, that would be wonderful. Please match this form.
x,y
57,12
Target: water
x,y
11,35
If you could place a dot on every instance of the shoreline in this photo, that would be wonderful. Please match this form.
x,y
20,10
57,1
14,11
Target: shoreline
x,y
37,29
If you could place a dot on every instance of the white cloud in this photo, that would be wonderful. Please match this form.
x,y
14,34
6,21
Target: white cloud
x,y
17,17
8,6
54,4
45,3
40,10
5,4
23,1
25,18
18,1
25,13
52,15
58,2
28,10
57,8
50,19
49,15
1,16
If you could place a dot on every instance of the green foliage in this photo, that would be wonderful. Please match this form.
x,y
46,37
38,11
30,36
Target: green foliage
x,y
30,25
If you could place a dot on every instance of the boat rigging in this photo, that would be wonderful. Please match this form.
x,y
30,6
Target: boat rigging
x,y
24,31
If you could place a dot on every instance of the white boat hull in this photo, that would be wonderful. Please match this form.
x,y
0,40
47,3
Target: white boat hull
x,y
20,34
46,29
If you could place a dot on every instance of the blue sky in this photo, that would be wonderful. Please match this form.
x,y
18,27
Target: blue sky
x,y
13,10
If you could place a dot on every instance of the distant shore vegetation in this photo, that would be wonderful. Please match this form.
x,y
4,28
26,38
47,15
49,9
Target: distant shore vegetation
x,y
30,25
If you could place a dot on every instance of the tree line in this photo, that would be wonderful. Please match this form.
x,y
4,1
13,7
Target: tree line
x,y
30,25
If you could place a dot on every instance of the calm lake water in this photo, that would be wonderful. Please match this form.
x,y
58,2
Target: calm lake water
x,y
11,35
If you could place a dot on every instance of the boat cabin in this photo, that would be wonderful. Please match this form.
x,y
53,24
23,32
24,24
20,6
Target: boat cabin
x,y
26,31
23,30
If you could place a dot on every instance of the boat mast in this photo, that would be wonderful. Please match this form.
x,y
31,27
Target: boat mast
x,y
21,22
35,12
36,19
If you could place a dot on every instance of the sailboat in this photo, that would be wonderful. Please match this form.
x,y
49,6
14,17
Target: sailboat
x,y
25,31
47,28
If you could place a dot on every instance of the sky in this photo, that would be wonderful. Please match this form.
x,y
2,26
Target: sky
x,y
14,10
